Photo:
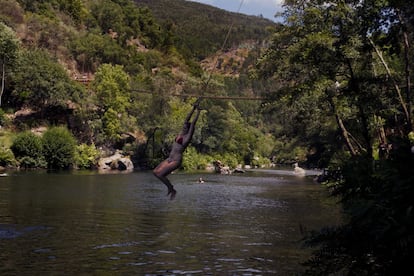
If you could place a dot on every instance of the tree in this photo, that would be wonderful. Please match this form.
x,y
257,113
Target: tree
x,y
111,85
75,8
41,82
109,16
11,13
9,51
355,56
325,50
89,51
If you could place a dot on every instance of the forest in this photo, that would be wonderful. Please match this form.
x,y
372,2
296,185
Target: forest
x,y
112,79
81,79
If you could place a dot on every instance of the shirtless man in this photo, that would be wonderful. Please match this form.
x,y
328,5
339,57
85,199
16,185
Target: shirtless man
x,y
175,158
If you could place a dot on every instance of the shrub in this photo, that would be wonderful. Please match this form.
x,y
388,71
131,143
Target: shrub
x,y
228,159
30,162
193,160
28,150
6,157
4,120
59,148
86,156
260,161
2,117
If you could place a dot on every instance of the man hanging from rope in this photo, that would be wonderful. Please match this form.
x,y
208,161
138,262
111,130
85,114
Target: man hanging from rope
x,y
175,158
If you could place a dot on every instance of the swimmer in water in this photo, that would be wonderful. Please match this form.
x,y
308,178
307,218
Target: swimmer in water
x,y
175,158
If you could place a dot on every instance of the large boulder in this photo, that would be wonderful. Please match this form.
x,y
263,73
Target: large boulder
x,y
116,162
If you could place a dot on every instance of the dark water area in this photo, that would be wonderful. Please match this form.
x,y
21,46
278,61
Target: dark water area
x,y
91,224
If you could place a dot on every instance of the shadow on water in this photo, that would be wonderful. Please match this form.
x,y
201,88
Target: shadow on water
x,y
246,224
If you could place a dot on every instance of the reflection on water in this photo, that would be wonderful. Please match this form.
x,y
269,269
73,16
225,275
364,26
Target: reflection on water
x,y
245,224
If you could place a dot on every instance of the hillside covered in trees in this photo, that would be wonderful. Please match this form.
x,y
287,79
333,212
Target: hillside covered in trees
x,y
112,74
201,29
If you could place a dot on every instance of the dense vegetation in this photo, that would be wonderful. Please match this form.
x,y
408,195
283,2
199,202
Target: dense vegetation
x,y
201,29
348,64
109,71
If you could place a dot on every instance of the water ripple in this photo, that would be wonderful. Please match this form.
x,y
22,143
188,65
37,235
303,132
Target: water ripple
x,y
125,244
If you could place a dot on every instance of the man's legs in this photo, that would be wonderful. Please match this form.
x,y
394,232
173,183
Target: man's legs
x,y
161,172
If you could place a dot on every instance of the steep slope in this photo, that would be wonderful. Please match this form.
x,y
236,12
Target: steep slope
x,y
201,29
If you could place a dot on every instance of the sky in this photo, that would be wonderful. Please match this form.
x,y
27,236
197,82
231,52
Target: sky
x,y
266,8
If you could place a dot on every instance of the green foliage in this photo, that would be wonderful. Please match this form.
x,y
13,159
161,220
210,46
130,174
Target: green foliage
x,y
115,29
86,156
111,125
28,150
259,161
125,20
411,137
340,64
92,49
27,144
9,45
59,148
195,161
73,8
11,13
230,159
111,85
41,82
3,118
9,52
226,130
7,157
377,238
199,30
325,84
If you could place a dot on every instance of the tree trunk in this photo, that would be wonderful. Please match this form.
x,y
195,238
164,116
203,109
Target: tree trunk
x,y
3,67
407,71
344,133
365,130
397,88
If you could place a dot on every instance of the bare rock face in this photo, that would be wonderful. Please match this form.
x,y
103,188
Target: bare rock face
x,y
116,162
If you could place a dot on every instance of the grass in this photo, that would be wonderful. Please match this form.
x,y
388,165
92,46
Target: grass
x,y
6,138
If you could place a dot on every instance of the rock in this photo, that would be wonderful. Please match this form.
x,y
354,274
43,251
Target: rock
x,y
239,170
125,164
116,162
220,168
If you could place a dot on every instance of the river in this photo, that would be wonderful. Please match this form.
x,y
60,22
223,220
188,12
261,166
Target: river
x,y
83,223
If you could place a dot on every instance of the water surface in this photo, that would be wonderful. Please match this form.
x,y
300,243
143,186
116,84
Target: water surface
x,y
86,223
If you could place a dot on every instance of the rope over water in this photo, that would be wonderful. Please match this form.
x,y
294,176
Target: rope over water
x,y
204,96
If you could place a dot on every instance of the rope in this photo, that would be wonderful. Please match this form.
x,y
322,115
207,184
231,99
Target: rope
x,y
222,46
205,97
210,76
